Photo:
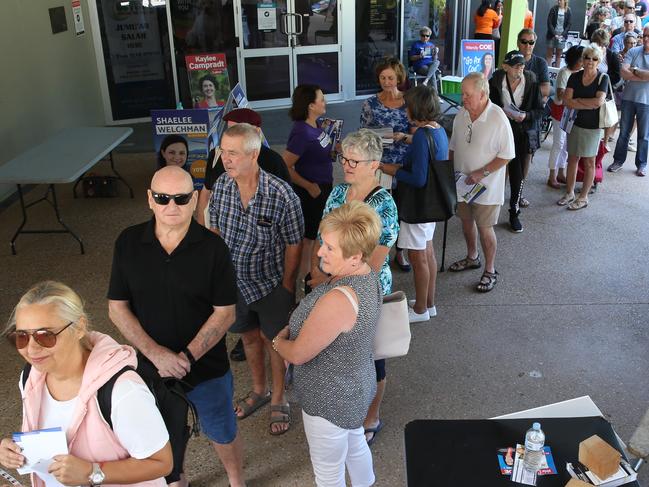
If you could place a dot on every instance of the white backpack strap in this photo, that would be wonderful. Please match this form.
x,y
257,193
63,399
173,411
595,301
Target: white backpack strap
x,y
349,296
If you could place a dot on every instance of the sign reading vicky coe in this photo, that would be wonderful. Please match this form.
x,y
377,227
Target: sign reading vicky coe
x,y
181,139
478,55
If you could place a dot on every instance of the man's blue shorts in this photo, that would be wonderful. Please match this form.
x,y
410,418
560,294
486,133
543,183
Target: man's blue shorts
x,y
213,402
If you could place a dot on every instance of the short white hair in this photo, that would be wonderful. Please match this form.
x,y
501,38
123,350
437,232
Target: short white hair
x,y
479,81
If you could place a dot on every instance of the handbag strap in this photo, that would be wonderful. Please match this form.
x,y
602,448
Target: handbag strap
x,y
431,166
352,301
609,89
372,193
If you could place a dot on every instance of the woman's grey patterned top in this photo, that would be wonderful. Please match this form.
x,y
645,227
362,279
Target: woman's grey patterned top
x,y
339,383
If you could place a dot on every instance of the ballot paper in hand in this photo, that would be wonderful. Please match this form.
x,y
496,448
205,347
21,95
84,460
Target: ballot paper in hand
x,y
39,447
513,111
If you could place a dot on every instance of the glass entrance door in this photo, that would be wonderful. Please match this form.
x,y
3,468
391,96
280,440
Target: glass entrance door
x,y
284,43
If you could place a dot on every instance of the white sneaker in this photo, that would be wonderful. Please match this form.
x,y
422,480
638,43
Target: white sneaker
x,y
415,317
432,311
633,147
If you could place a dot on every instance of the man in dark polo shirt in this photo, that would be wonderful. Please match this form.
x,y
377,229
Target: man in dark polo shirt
x,y
260,218
172,294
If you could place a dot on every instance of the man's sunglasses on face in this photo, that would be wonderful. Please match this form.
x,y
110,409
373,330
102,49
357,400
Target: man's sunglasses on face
x,y
164,199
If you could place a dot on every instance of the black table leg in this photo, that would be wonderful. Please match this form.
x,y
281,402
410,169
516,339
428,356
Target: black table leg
x,y
24,211
119,176
55,206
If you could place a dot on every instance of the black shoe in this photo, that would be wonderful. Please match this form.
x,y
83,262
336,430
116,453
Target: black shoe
x,y
402,261
238,354
514,223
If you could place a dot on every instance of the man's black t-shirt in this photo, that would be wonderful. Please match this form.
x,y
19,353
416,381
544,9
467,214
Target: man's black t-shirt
x,y
269,160
172,295
587,119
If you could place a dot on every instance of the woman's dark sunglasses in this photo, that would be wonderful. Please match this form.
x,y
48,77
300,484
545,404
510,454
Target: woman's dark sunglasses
x,y
164,199
45,338
588,58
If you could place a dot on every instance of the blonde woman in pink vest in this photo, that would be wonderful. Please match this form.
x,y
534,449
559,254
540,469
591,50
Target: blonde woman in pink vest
x,y
49,328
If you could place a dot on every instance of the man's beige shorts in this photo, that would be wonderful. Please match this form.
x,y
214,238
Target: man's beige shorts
x,y
483,215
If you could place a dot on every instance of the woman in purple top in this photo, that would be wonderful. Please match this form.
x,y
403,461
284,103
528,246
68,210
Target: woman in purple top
x,y
308,158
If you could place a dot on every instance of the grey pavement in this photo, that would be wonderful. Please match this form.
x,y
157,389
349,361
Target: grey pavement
x,y
567,318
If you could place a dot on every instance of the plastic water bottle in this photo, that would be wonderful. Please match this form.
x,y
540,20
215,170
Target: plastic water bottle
x,y
534,441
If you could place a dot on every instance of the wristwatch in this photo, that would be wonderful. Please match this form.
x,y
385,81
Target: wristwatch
x,y
97,477
634,71
485,173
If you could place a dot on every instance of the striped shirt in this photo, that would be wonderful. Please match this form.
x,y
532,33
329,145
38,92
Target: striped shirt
x,y
257,236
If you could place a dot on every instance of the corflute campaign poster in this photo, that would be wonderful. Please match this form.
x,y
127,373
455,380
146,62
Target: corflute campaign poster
x,y
208,79
478,55
181,138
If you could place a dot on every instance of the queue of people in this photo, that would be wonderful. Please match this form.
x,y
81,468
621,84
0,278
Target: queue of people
x,y
228,260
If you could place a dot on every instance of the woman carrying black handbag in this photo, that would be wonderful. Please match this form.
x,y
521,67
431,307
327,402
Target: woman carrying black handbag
x,y
417,187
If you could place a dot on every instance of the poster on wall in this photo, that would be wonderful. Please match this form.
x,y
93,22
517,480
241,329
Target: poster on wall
x,y
181,138
478,55
133,38
77,15
209,83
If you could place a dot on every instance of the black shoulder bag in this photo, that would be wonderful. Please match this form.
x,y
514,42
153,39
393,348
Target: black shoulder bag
x,y
437,199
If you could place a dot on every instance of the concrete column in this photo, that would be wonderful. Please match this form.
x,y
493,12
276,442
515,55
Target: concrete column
x,y
513,19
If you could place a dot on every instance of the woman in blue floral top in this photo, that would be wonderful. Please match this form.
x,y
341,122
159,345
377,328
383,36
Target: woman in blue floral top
x,y
360,159
388,109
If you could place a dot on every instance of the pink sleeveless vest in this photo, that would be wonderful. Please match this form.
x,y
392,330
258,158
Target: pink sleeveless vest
x,y
89,436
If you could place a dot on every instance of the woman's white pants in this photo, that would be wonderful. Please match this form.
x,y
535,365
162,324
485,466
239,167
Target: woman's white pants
x,y
332,448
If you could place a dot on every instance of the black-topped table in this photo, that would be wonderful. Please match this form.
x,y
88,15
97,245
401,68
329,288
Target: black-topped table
x,y
462,453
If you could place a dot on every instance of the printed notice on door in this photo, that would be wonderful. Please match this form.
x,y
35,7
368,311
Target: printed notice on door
x,y
267,16
77,15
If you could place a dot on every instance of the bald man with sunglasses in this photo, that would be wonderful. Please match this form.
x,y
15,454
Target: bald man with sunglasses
x,y
172,294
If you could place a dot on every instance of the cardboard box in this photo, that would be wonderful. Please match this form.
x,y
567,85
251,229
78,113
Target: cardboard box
x,y
600,457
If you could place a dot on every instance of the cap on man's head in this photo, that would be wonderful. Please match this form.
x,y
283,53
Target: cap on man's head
x,y
630,4
631,34
243,115
514,58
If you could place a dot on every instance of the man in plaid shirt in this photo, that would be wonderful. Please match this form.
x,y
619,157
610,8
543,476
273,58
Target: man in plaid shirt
x,y
259,217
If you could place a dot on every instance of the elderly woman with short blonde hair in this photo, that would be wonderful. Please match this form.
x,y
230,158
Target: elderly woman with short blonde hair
x,y
585,92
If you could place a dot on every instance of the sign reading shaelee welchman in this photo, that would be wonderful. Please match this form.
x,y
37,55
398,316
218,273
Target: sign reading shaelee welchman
x,y
478,55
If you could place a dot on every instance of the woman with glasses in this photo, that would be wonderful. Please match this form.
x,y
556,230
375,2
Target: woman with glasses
x,y
387,109
559,19
423,57
423,110
486,19
360,158
68,364
585,92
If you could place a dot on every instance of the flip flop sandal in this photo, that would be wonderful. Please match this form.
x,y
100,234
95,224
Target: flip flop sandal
x,y
487,281
374,431
283,418
566,199
578,204
257,402
465,264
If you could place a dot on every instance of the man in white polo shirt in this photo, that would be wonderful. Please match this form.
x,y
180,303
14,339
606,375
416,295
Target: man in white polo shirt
x,y
481,145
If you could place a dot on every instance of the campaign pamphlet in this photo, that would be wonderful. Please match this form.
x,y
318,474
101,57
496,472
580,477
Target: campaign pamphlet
x,y
624,475
478,55
333,129
507,458
520,475
193,126
513,111
39,447
386,134
568,119
209,83
466,192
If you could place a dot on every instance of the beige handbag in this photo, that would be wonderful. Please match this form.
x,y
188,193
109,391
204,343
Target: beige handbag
x,y
608,111
392,337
